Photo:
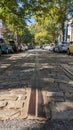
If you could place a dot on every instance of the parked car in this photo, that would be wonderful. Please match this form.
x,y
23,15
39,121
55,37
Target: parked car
x,y
14,46
49,47
46,47
10,49
0,51
52,45
55,48
70,48
21,47
61,47
30,46
3,46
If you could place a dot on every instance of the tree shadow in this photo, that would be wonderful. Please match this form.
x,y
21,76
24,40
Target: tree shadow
x,y
25,72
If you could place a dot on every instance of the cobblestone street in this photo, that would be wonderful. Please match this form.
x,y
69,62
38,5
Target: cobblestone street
x,y
36,91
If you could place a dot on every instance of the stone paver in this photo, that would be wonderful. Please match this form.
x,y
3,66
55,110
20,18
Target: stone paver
x,y
9,114
14,104
62,110
8,97
3,104
55,96
19,72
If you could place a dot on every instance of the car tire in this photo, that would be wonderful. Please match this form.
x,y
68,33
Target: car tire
x,y
68,52
59,51
7,51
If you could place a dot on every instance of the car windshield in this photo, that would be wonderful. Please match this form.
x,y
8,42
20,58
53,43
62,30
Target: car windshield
x,y
64,42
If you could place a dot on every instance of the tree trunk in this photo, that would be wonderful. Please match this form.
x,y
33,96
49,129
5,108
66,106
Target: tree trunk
x,y
63,31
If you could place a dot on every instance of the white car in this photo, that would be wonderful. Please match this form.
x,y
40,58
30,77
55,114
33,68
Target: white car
x,y
52,45
46,47
49,47
61,47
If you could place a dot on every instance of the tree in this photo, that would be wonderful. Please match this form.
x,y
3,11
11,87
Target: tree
x,y
27,36
50,13
57,11
13,16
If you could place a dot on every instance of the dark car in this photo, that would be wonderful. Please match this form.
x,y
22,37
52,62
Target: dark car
x,y
30,46
13,44
0,51
3,46
10,49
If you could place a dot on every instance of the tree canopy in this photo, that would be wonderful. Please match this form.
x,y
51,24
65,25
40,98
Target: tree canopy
x,y
50,14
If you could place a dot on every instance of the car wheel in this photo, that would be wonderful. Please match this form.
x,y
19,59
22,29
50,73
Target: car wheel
x,y
68,52
59,50
7,51
12,51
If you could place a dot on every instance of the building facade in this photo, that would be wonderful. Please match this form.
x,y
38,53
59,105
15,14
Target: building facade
x,y
70,31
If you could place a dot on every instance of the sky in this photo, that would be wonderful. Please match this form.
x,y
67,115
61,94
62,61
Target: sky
x,y
30,22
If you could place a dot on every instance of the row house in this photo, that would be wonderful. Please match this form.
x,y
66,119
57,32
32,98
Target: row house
x,y
68,31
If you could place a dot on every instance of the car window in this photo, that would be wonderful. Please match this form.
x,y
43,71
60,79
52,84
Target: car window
x,y
1,40
64,42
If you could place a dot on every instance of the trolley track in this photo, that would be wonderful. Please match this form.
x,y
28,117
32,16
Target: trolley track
x,y
48,75
59,67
